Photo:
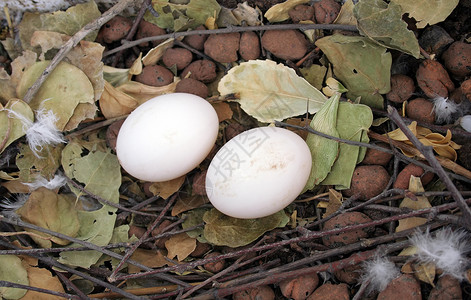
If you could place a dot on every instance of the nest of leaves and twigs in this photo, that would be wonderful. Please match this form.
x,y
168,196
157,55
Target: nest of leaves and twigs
x,y
380,91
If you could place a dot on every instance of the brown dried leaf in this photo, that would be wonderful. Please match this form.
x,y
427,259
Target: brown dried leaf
x,y
188,203
335,202
166,189
42,278
223,110
180,246
150,258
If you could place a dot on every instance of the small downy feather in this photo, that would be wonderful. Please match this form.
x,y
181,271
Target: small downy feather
x,y
444,109
379,272
10,206
446,249
42,132
56,182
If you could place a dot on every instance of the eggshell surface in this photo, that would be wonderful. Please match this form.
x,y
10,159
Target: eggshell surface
x,y
258,173
167,136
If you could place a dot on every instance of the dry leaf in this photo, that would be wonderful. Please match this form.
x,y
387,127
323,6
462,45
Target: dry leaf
x,y
180,246
223,110
335,202
442,145
415,186
142,92
269,91
279,12
149,258
345,15
427,11
425,272
42,278
156,53
167,188
188,203
114,103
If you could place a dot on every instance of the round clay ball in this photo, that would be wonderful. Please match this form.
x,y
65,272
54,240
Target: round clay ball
x,y
115,29
326,11
147,29
300,287
402,88
301,12
377,157
368,181
263,292
348,237
457,59
192,86
203,70
249,47
222,47
420,109
155,75
329,291
285,44
180,57
196,41
433,79
403,178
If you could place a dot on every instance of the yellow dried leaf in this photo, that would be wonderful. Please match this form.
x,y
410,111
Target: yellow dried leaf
x,y
425,272
442,145
420,202
114,103
167,188
335,202
279,12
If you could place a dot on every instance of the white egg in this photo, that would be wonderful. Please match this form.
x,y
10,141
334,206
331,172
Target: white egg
x,y
167,136
258,173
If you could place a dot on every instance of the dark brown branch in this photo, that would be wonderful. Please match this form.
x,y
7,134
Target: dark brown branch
x,y
427,151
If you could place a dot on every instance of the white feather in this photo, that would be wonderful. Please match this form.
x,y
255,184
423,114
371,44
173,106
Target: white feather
x,y
56,182
447,250
444,109
42,132
379,272
10,206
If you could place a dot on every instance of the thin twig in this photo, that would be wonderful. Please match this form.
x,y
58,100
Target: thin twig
x,y
129,252
232,29
72,42
427,151
309,236
102,200
4,283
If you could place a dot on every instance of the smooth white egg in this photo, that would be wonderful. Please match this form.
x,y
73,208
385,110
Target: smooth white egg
x,y
258,173
167,136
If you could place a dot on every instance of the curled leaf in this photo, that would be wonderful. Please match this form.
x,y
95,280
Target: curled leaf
x,y
442,145
279,12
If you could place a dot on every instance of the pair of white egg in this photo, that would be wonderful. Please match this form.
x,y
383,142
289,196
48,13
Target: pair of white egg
x,y
255,174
